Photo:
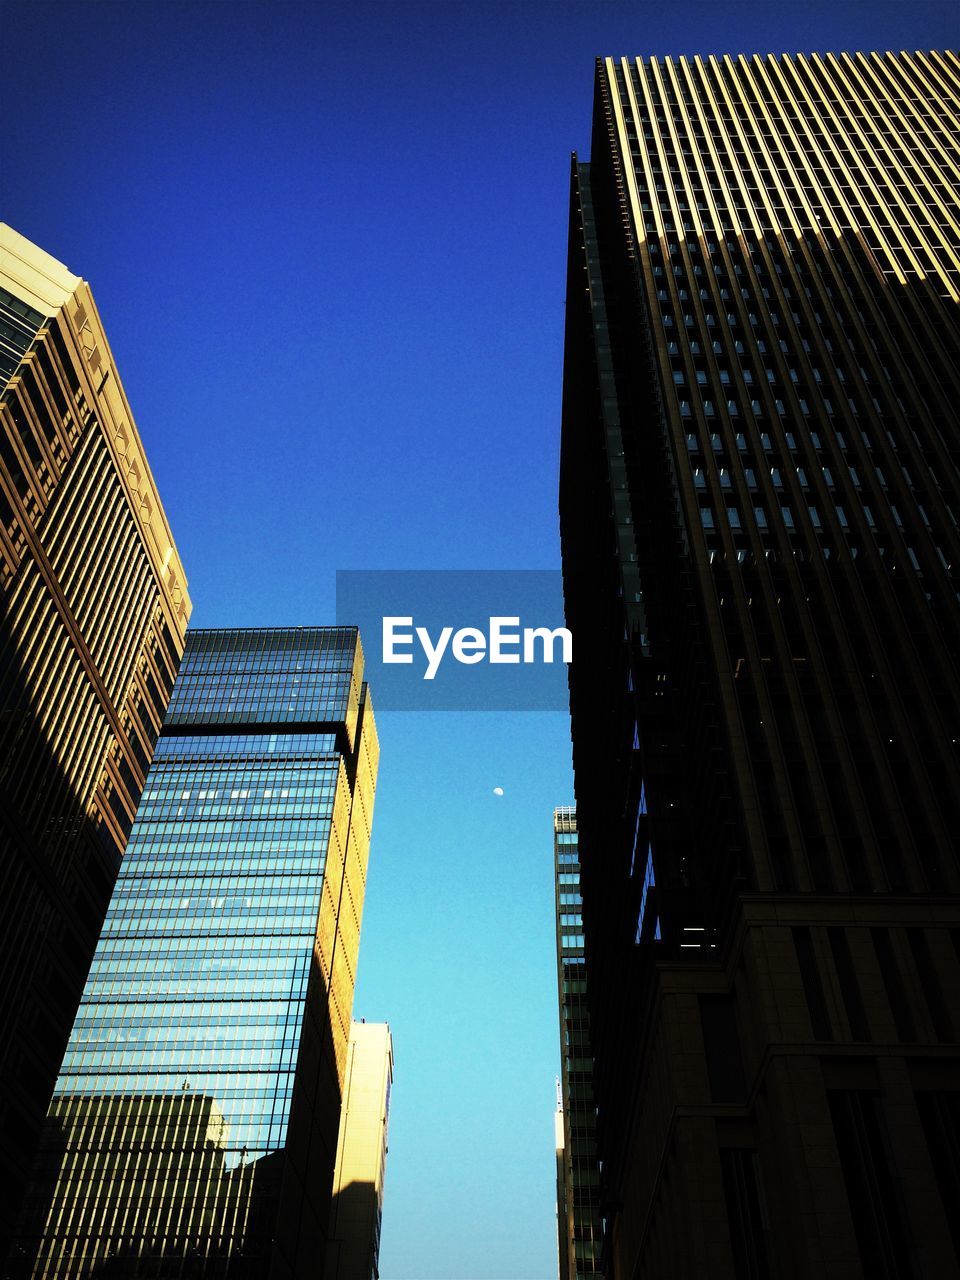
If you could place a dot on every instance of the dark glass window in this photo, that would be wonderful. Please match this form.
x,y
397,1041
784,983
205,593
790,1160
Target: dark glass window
x,y
746,1212
873,1184
812,986
721,1041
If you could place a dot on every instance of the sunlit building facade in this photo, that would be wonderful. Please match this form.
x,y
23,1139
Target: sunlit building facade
x,y
560,1154
356,1210
579,1221
92,619
194,1124
759,518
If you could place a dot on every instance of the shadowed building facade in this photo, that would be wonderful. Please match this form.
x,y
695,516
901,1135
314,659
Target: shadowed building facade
x,y
759,504
94,609
353,1249
194,1124
579,1220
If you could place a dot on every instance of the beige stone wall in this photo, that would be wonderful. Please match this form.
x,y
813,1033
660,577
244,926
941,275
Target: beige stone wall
x,y
361,1155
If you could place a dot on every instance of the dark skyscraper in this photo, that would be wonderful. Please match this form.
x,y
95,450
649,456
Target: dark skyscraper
x,y
93,608
759,505
193,1129
578,1174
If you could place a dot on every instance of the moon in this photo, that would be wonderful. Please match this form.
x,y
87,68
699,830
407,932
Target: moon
x,y
498,791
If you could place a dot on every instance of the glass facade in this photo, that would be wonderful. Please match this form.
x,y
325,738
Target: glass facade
x,y
579,1219
219,1000
19,323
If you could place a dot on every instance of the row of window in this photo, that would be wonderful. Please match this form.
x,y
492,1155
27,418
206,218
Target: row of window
x,y
796,176
733,515
212,747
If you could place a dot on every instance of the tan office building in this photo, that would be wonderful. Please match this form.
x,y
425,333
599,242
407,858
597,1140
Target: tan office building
x,y
94,611
759,507
354,1243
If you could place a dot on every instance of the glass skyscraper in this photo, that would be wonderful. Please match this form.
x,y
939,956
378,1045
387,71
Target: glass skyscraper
x,y
194,1125
579,1220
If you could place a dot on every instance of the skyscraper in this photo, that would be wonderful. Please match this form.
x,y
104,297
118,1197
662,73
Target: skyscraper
x,y
193,1129
579,1221
759,504
353,1249
94,610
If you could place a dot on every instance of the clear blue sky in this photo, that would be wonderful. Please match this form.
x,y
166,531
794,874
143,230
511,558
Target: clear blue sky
x,y
328,242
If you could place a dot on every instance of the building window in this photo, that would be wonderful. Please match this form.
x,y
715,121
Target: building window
x,y
649,883
747,1215
849,984
940,1117
900,1005
812,986
929,976
721,1042
873,1183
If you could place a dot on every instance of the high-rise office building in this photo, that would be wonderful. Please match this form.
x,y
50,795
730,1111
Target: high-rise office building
x,y
759,505
356,1211
578,1182
94,609
194,1123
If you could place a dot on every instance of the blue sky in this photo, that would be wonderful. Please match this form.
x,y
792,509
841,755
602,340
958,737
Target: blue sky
x,y
328,242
